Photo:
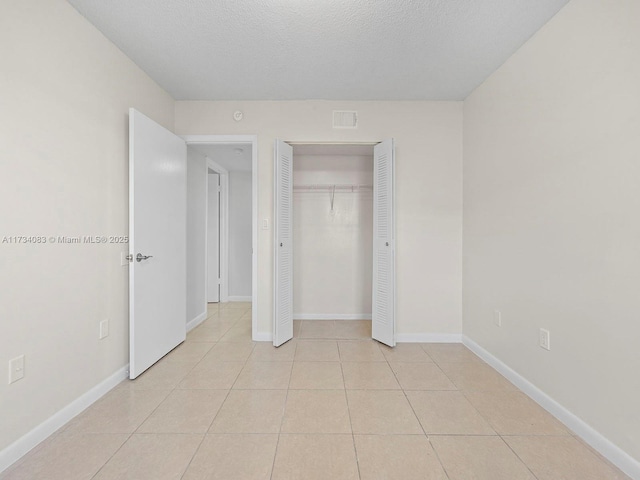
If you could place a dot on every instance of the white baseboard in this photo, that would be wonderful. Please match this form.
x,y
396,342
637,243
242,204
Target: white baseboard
x,y
332,316
23,445
191,324
263,337
599,442
428,337
238,298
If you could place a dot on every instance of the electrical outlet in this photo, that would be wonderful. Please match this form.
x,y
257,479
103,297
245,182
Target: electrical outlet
x,y
545,339
497,318
16,369
104,329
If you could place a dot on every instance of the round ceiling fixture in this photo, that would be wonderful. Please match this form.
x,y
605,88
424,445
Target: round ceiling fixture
x,y
238,115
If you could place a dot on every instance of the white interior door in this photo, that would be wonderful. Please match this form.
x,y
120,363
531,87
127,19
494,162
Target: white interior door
x,y
283,268
213,238
157,236
383,308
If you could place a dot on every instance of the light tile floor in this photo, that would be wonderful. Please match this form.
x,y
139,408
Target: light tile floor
x,y
330,404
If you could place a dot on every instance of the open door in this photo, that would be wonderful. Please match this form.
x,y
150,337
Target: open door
x,y
157,242
213,237
384,294
283,266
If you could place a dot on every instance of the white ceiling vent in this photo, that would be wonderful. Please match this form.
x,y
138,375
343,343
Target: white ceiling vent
x,y
345,119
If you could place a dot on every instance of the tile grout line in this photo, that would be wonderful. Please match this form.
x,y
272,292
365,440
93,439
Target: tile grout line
x,y
518,457
353,437
217,412
416,415
214,417
284,409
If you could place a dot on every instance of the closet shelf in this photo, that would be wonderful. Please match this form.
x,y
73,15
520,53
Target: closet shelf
x,y
331,188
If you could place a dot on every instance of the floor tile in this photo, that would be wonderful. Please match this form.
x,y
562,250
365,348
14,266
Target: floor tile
x,y
316,375
405,352
212,376
450,353
421,376
479,458
250,411
227,457
122,410
189,352
406,457
206,333
369,376
316,411
566,458
151,457
475,376
229,352
513,413
317,329
381,412
264,375
360,351
317,351
237,333
297,325
266,352
67,457
447,412
236,305
162,376
185,411
356,329
315,457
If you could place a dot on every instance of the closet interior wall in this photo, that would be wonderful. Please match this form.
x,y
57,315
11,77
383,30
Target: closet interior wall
x,y
332,232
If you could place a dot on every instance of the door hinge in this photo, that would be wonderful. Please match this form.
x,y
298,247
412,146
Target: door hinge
x,y
219,281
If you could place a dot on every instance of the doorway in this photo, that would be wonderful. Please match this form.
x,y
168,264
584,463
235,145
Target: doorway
x,y
225,269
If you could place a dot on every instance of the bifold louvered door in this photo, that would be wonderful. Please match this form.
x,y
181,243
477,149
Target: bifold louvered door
x,y
383,309
283,268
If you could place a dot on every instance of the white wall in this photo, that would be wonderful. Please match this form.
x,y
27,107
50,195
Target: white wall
x,y
240,234
332,250
64,94
551,213
429,191
196,234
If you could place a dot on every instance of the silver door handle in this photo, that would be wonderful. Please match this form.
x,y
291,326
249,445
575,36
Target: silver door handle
x,y
141,257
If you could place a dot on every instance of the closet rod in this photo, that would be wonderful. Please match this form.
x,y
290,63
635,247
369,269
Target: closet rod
x,y
332,187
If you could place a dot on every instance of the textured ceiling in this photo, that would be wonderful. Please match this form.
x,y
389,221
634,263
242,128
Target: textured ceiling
x,y
318,49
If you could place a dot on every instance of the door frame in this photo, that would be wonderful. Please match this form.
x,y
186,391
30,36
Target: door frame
x,y
223,222
241,140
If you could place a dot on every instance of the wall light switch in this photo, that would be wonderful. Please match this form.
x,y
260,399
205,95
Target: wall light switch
x,y
497,318
104,329
265,224
545,339
16,369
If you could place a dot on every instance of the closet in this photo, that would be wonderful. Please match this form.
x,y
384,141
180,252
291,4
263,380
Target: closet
x,y
332,232
334,236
